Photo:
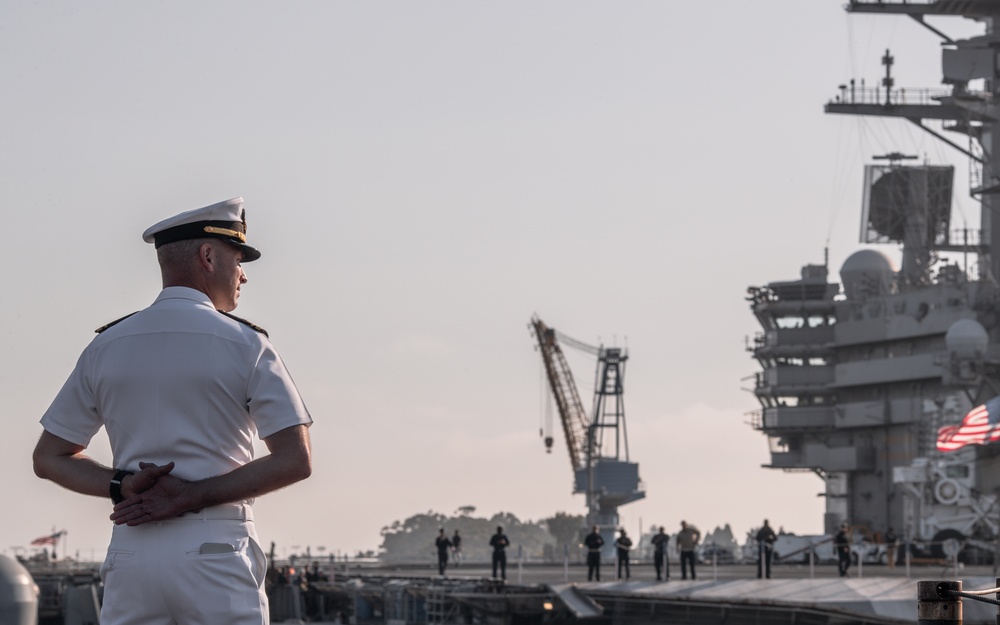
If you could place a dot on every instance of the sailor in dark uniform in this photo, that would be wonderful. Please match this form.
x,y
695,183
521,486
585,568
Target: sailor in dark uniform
x,y
500,542
593,542
765,550
443,544
842,544
623,546
660,561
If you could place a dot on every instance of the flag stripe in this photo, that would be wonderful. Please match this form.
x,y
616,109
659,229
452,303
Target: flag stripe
x,y
51,539
980,427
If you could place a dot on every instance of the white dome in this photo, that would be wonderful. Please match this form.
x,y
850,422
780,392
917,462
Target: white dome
x,y
18,592
967,338
869,270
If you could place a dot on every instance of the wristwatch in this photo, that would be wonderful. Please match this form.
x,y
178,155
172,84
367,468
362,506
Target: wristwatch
x,y
116,485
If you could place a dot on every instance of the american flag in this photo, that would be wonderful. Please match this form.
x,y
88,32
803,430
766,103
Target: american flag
x,y
980,427
51,539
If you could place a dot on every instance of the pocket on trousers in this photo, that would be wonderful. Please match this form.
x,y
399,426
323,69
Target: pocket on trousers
x,y
258,562
113,560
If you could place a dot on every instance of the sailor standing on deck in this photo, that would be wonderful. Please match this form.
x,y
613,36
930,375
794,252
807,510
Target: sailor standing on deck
x,y
456,548
890,548
593,542
443,545
182,388
500,542
765,550
660,560
623,546
842,545
687,540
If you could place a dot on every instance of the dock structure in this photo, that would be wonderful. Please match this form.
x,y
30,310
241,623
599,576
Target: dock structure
x,y
828,601
383,597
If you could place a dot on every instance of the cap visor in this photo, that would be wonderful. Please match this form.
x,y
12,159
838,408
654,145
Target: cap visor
x,y
249,253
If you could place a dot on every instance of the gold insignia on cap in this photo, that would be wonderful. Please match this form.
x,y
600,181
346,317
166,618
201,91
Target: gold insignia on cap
x,y
227,232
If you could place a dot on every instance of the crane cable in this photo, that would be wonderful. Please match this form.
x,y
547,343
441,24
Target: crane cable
x,y
575,344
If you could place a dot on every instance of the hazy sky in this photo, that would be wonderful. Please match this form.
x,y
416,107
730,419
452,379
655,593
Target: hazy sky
x,y
421,177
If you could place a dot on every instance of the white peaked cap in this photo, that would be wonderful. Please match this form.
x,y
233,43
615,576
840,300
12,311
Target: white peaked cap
x,y
224,220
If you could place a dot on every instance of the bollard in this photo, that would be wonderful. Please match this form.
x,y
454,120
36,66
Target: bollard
x,y
935,606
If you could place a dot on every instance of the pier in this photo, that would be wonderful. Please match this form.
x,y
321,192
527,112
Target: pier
x,y
726,594
544,593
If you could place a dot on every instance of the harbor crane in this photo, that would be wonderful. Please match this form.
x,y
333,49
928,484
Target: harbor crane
x,y
597,443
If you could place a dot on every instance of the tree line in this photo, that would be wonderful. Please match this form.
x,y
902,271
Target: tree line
x,y
412,540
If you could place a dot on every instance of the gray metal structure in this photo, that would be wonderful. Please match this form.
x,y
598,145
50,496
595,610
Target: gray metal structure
x,y
858,376
597,444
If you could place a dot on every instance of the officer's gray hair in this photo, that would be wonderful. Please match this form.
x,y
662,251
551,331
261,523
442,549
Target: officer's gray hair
x,y
178,254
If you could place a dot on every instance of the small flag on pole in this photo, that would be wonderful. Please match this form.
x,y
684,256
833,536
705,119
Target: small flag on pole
x,y
51,539
980,427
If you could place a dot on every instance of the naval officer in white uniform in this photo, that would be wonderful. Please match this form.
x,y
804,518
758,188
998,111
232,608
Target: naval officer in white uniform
x,y
182,388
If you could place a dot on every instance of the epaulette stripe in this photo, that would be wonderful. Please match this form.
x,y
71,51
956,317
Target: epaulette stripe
x,y
113,323
247,323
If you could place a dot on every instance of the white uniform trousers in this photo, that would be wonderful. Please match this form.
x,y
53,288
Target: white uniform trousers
x,y
202,568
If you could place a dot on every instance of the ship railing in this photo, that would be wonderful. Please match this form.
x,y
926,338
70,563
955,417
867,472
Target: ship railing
x,y
889,3
852,94
969,237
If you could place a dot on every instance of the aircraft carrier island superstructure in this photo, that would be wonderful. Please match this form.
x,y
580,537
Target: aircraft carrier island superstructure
x,y
858,375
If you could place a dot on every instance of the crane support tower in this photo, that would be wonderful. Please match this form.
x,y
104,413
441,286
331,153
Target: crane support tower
x,y
598,443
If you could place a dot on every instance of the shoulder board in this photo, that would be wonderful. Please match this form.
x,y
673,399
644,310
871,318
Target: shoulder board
x,y
113,323
247,323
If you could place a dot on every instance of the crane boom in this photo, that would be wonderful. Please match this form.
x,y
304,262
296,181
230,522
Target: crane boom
x,y
608,481
574,418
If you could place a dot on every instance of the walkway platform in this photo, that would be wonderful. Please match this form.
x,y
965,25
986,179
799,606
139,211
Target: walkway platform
x,y
886,600
820,601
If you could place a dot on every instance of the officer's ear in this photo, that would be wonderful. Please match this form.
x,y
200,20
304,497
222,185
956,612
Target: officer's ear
x,y
206,256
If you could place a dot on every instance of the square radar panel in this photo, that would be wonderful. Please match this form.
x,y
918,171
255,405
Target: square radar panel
x,y
907,204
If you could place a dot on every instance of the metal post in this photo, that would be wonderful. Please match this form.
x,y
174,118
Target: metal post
x,y
812,567
520,562
996,555
907,558
566,563
861,560
998,599
935,606
715,573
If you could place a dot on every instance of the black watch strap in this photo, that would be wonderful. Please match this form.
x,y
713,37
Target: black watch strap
x,y
116,485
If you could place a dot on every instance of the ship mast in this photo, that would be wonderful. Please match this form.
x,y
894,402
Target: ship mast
x,y
974,114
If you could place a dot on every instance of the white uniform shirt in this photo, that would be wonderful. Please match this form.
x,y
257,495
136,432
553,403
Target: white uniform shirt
x,y
179,382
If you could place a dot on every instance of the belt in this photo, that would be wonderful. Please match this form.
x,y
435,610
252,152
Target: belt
x,y
232,513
